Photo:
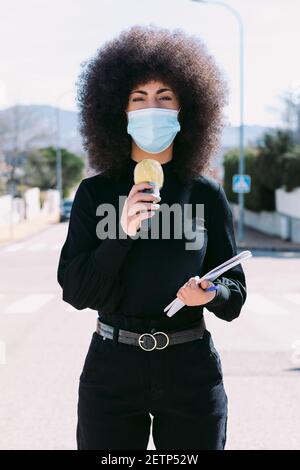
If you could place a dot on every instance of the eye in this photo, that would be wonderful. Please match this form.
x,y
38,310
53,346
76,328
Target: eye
x,y
168,98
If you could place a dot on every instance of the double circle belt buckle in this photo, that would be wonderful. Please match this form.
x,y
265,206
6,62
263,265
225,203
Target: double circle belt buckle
x,y
152,336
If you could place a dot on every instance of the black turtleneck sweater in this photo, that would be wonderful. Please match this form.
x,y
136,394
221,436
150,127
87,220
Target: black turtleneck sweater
x,y
129,281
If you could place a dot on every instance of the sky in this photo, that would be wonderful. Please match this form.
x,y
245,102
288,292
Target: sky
x,y
43,43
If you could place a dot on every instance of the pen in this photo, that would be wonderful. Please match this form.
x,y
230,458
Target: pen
x,y
211,288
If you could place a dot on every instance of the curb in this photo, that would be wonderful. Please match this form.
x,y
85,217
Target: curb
x,y
21,238
268,248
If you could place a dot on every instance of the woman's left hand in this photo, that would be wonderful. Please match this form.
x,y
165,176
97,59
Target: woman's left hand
x,y
193,294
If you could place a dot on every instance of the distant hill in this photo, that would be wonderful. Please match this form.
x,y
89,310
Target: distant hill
x,y
39,126
230,136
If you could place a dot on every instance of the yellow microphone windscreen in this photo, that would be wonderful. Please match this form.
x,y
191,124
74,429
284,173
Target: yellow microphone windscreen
x,y
149,170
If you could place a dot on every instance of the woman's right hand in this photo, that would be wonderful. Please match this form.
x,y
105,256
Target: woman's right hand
x,y
135,202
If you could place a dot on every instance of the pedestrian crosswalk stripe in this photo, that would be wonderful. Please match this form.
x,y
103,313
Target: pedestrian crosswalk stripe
x,y
14,247
32,247
293,297
29,303
256,303
56,246
37,247
70,308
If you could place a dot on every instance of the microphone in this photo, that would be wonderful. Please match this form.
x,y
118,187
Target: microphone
x,y
149,170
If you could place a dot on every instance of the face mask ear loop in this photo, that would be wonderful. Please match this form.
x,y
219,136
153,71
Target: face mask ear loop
x,y
179,117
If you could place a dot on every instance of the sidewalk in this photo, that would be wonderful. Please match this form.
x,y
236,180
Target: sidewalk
x,y
24,229
253,239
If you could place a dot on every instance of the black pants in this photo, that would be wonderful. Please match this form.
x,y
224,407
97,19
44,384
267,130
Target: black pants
x,y
181,386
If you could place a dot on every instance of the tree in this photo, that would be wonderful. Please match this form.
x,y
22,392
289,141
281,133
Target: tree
x,y
20,129
272,164
270,158
40,169
291,169
289,110
256,199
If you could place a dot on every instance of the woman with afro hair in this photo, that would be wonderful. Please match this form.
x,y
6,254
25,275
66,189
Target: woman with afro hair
x,y
156,95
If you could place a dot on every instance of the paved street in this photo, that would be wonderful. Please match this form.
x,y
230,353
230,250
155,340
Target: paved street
x,y
44,342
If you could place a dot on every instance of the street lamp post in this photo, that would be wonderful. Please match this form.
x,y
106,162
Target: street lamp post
x,y
241,133
58,144
58,155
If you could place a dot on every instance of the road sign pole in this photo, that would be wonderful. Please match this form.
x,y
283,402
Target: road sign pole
x,y
241,55
241,160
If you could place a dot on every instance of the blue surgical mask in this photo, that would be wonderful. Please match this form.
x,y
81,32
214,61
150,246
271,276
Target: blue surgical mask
x,y
153,129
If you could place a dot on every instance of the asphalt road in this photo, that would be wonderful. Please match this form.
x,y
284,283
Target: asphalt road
x,y
43,342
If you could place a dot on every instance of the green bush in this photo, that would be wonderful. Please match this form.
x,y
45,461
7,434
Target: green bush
x,y
2,188
41,169
271,164
291,169
258,197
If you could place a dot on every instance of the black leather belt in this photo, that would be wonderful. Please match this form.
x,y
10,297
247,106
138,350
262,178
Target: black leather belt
x,y
155,339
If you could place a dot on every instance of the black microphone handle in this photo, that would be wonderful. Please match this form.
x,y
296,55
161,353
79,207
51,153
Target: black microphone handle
x,y
146,223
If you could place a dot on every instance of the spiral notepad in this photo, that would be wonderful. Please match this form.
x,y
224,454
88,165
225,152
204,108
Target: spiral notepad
x,y
177,304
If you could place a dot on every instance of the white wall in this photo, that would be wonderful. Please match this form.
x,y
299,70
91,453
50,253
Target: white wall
x,y
32,202
271,223
5,209
288,203
52,201
14,210
264,221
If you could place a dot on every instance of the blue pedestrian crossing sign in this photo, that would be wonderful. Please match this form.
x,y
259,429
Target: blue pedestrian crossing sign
x,y
241,183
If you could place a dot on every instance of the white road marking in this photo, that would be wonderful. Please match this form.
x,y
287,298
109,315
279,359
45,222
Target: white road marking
x,y
56,246
261,305
293,297
2,352
70,308
30,303
32,247
37,247
14,247
258,304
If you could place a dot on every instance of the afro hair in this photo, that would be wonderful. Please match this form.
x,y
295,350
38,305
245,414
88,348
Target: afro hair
x,y
140,54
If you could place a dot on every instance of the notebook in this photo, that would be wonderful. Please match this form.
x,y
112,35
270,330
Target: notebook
x,y
177,304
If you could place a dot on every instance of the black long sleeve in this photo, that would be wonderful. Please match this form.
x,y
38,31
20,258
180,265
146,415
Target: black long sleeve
x,y
221,246
88,266
129,281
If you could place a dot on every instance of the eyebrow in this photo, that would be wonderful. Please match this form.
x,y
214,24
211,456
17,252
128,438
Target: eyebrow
x,y
161,90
